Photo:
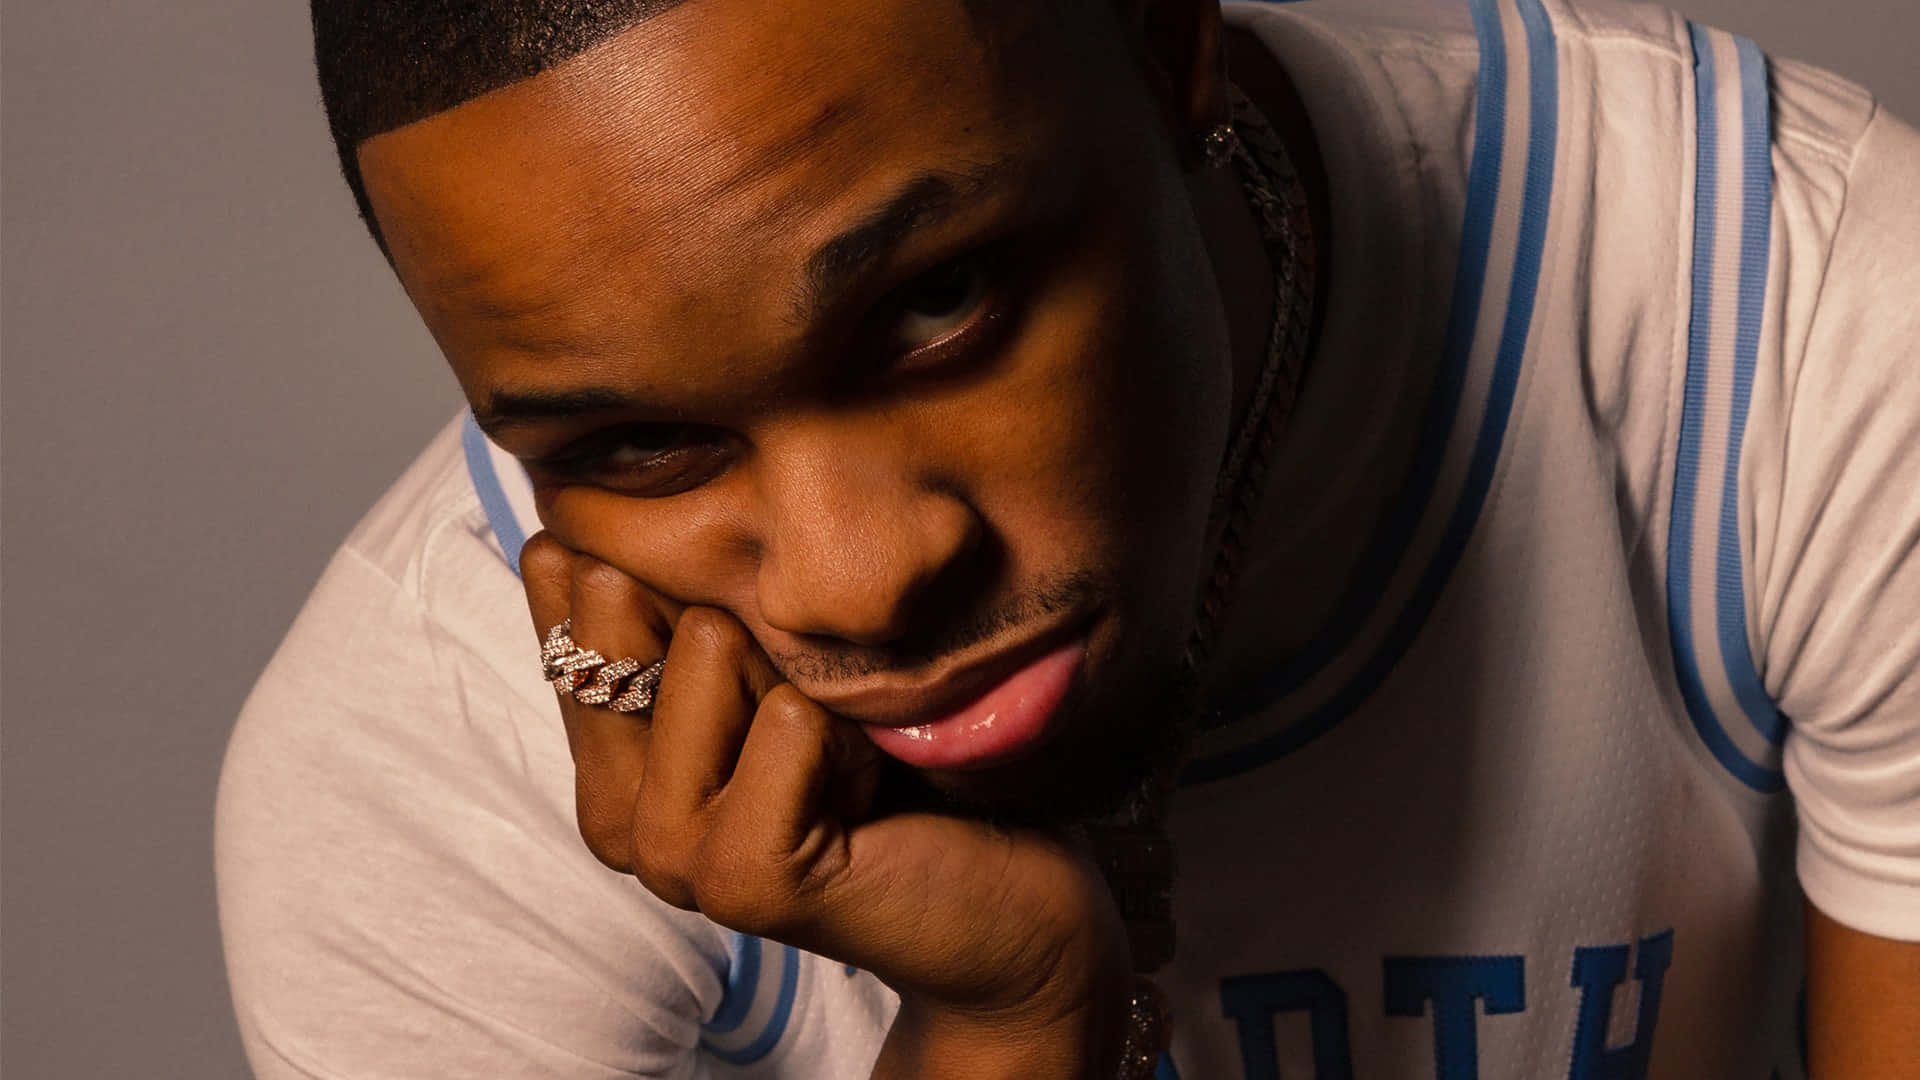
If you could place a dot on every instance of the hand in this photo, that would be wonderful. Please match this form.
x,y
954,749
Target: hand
x,y
744,800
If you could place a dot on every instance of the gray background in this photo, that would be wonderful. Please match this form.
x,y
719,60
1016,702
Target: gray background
x,y
208,375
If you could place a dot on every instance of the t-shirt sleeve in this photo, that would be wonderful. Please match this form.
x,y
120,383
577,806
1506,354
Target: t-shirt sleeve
x,y
1839,554
403,892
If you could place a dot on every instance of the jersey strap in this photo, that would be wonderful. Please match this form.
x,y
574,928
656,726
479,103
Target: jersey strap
x,y
1401,576
505,492
1706,596
762,979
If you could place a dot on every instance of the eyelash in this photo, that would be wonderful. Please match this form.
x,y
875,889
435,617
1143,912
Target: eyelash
x,y
983,310
589,460
701,452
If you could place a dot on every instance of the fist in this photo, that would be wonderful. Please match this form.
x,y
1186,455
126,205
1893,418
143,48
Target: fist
x,y
739,797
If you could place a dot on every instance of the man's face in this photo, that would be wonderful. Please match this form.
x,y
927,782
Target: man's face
x,y
889,333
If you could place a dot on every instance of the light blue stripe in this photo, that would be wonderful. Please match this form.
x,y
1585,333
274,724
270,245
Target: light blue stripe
x,y
769,1036
1389,547
1687,458
1681,526
743,979
1543,133
1755,240
493,499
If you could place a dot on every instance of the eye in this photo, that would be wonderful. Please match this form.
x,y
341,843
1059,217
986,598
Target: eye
x,y
646,460
939,304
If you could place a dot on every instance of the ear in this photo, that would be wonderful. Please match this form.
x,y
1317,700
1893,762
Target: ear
x,y
1180,47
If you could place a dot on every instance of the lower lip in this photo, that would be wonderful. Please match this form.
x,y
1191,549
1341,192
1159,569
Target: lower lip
x,y
1000,724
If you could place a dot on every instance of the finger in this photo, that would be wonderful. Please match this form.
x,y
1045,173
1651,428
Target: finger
x,y
618,617
801,768
546,571
774,835
715,677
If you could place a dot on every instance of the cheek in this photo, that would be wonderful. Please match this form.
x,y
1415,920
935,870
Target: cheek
x,y
1105,437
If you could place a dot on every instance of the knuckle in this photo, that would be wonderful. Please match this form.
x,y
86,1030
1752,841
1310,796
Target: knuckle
x,y
543,557
595,576
659,868
605,835
546,572
731,890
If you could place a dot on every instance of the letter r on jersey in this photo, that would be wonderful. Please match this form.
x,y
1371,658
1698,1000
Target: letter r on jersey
x,y
1597,972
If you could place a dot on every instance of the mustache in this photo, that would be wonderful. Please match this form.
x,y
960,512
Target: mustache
x,y
819,666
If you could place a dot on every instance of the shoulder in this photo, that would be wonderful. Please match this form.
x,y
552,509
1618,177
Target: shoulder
x,y
432,496
390,695
420,576
429,540
415,611
397,855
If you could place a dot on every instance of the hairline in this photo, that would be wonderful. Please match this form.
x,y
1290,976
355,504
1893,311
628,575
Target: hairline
x,y
349,139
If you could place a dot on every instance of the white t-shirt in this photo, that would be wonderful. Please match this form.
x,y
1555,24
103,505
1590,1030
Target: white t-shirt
x,y
1640,308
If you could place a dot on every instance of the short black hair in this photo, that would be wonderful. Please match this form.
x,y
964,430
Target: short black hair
x,y
385,63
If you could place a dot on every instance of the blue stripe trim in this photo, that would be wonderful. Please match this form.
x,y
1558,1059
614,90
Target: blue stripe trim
x,y
769,1037
1687,457
1164,1069
1484,181
743,979
1390,545
1755,240
493,499
1680,529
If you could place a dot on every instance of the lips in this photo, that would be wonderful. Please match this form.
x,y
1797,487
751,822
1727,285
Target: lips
x,y
1007,719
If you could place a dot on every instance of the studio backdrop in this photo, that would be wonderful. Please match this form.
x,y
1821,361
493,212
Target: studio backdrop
x,y
209,373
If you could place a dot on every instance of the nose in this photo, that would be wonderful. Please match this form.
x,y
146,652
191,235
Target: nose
x,y
856,548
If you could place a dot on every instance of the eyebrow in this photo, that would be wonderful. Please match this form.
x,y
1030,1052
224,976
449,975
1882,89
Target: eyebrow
x,y
506,409
927,200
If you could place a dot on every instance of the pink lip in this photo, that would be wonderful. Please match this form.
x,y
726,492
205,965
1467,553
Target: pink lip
x,y
1001,723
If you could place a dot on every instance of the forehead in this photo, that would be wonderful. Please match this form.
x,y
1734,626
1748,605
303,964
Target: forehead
x,y
692,161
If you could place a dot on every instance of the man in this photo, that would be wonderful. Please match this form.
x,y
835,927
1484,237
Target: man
x,y
1481,465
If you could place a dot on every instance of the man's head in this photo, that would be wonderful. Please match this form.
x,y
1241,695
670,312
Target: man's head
x,y
884,325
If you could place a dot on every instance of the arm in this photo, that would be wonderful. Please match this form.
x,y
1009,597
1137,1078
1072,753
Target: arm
x,y
924,1044
1837,544
1863,1002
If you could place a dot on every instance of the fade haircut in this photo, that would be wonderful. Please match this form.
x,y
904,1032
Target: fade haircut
x,y
384,64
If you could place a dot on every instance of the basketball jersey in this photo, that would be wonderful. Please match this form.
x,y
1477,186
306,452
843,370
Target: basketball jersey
x,y
1594,547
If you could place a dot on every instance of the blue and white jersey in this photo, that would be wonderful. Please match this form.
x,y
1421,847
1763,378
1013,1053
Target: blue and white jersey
x,y
1594,547
1522,803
